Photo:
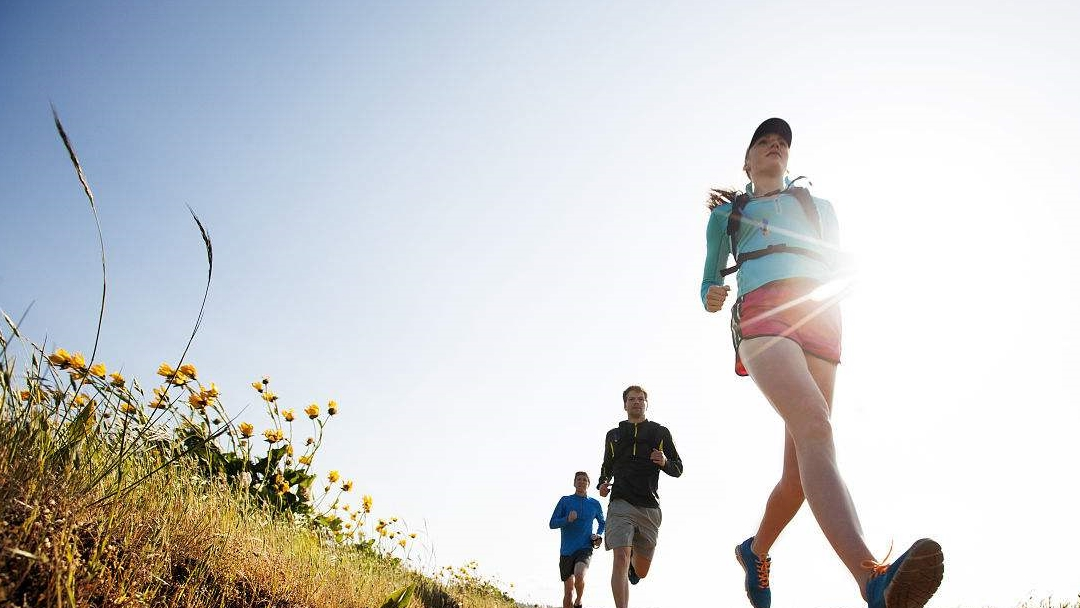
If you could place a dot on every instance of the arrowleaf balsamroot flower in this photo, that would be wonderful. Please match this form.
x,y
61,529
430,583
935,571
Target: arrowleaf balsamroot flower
x,y
116,379
367,503
333,476
269,397
287,415
98,369
127,408
198,400
312,411
60,357
331,408
273,435
305,460
166,371
347,485
257,386
77,360
247,429
188,370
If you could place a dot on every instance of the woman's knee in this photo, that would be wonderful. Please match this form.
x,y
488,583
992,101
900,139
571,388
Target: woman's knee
x,y
811,428
790,487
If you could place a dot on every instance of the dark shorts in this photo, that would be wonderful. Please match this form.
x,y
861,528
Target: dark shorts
x,y
567,562
783,308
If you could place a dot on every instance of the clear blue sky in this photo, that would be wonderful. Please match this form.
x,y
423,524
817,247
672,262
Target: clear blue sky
x,y
473,224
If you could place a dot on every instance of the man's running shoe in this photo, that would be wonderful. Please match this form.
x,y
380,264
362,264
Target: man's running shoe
x,y
910,580
757,574
630,574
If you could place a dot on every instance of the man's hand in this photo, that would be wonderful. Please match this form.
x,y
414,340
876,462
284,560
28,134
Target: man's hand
x,y
714,298
659,458
596,539
604,489
571,517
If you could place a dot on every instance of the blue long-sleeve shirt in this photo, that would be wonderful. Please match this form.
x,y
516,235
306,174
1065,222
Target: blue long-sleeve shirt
x,y
768,221
577,534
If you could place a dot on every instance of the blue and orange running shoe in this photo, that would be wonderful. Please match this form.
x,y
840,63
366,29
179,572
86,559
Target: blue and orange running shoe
x,y
910,581
757,574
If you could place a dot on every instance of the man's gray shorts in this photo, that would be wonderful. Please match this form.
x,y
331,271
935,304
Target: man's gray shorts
x,y
630,526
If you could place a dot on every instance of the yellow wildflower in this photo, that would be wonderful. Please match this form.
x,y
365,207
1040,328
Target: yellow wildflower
x,y
305,460
127,408
247,429
257,386
98,369
402,543
117,379
347,486
312,411
382,531
289,449
273,435
80,400
333,476
77,360
197,400
166,371
269,397
367,503
413,535
179,379
211,392
288,415
188,370
331,408
60,357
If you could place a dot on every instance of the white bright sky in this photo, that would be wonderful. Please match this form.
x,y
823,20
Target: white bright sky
x,y
474,223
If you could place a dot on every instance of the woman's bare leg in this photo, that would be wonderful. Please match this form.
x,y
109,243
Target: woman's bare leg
x,y
783,374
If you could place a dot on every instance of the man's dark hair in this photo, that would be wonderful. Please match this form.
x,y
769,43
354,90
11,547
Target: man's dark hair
x,y
634,387
582,473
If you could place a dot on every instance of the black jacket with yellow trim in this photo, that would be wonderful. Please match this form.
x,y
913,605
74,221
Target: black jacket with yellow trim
x,y
628,466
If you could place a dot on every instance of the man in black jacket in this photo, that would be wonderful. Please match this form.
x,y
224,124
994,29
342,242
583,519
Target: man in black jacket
x,y
634,454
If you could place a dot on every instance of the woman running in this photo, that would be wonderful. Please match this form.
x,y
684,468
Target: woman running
x,y
787,339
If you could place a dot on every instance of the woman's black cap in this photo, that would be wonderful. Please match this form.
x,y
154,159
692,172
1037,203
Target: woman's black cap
x,y
772,125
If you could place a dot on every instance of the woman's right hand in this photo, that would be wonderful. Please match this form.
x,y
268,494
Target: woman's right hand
x,y
714,298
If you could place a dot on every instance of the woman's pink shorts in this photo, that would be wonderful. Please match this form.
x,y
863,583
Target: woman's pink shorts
x,y
784,308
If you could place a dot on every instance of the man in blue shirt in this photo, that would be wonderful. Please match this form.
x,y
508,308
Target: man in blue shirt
x,y
573,516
